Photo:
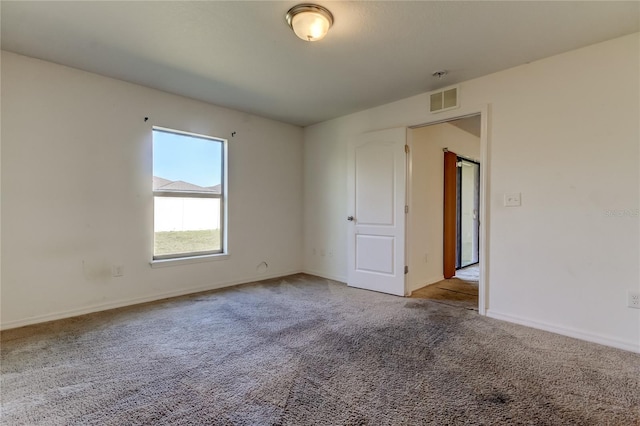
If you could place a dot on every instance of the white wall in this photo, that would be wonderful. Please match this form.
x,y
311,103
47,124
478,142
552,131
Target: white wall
x,y
426,220
76,192
564,132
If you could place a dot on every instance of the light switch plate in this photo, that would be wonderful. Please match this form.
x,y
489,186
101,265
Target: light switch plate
x,y
512,199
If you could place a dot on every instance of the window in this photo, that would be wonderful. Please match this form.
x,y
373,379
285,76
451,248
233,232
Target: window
x,y
189,194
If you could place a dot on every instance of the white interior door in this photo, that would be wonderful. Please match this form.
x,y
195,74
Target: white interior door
x,y
377,181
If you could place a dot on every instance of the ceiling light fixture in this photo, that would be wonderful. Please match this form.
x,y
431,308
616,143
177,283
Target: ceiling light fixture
x,y
310,22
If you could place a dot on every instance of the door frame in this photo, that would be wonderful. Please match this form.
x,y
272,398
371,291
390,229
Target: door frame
x,y
459,212
483,111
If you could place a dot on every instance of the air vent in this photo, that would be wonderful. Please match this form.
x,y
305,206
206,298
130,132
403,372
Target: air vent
x,y
444,100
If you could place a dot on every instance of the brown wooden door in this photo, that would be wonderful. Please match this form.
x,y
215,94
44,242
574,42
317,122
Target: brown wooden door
x,y
449,228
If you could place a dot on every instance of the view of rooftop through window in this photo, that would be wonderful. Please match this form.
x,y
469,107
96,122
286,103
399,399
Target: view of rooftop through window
x,y
188,194
186,158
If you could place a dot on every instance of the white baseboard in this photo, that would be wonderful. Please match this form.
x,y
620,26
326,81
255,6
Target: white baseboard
x,y
568,331
134,301
424,283
325,275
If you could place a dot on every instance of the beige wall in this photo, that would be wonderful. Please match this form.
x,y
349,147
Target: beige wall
x,y
564,132
426,199
76,192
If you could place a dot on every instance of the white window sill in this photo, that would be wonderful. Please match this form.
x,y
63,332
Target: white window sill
x,y
163,263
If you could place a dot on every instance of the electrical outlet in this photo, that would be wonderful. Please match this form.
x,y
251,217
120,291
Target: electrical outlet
x,y
633,299
512,199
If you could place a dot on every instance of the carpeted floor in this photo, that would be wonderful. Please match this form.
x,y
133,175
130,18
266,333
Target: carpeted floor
x,y
304,351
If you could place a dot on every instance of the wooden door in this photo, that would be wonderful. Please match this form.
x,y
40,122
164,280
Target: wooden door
x,y
450,217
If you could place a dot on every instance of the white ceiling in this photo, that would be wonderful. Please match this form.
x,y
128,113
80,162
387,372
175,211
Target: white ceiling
x,y
242,54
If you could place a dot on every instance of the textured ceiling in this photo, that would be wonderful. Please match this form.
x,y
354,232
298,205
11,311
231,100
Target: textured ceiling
x,y
242,55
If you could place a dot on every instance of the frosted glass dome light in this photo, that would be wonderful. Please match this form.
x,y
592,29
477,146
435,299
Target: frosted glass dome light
x,y
310,22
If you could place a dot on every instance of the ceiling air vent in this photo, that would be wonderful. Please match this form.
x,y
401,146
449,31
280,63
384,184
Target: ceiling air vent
x,y
444,100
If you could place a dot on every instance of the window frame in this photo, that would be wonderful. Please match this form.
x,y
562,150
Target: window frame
x,y
222,196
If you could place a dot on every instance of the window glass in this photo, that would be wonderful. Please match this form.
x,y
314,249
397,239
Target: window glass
x,y
188,187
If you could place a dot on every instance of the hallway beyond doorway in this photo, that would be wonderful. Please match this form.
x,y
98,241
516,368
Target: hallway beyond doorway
x,y
460,291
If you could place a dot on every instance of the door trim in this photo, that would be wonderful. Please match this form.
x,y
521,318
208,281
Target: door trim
x,y
459,211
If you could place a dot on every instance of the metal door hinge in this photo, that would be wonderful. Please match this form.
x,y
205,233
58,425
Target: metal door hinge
x,y
406,209
406,269
406,149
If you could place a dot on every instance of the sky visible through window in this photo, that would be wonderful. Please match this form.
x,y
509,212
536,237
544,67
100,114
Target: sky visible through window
x,y
187,158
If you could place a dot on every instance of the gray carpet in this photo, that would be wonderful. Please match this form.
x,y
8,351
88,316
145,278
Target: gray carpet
x,y
303,351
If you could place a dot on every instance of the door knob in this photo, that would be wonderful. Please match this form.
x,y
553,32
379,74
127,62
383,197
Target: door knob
x,y
350,218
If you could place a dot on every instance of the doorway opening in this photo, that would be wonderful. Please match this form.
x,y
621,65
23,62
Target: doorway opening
x,y
444,246
395,229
